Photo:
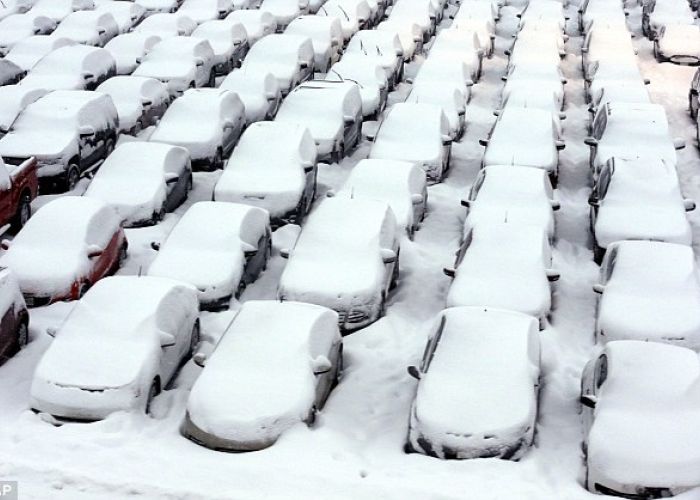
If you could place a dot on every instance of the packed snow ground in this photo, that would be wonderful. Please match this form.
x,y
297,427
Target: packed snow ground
x,y
355,450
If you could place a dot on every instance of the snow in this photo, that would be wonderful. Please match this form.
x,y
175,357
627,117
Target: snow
x,y
383,45
326,37
126,13
16,27
680,40
85,27
29,51
546,77
258,91
444,68
446,95
206,247
10,295
13,99
65,67
283,11
459,44
370,77
201,11
269,178
409,33
268,350
51,251
129,94
280,55
60,9
223,36
132,180
166,25
469,404
257,23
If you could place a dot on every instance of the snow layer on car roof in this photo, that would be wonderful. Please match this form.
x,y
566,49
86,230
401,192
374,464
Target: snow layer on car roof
x,y
654,257
293,145
411,130
14,98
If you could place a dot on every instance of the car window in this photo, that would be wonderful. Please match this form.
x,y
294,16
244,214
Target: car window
x,y
610,264
432,345
463,248
601,371
604,179
601,121
474,191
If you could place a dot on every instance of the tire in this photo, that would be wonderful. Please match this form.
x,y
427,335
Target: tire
x,y
219,160
24,211
153,391
23,334
72,177
109,146
212,79
190,183
195,337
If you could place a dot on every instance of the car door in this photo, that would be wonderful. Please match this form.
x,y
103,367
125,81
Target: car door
x,y
177,190
432,345
255,264
8,201
110,244
325,381
8,332
593,378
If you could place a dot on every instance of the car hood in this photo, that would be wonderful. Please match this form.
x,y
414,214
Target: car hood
x,y
42,144
166,69
642,221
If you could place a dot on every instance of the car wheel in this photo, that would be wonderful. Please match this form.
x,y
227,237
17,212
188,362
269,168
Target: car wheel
x,y
24,211
109,146
22,334
219,160
152,393
190,183
194,337
212,79
72,177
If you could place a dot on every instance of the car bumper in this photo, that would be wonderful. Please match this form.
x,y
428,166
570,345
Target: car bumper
x,y
75,404
208,440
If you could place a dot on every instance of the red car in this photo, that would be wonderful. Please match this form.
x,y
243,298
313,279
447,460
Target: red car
x,y
69,244
18,187
14,318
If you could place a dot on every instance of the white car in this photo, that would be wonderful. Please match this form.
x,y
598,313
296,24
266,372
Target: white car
x,y
220,119
117,349
545,77
30,51
166,25
346,258
58,10
527,137
631,130
89,27
544,10
656,15
282,180
679,44
409,33
142,181
383,46
18,27
660,282
158,6
640,402
326,37
332,111
126,14
485,30
607,44
414,132
10,7
181,62
450,99
370,77
282,359
455,44
401,184
259,92
289,58
522,195
534,96
201,11
493,412
129,49
443,68
605,73
409,14
353,14
228,40
140,101
13,100
73,67
257,23
505,265
638,199
284,11
217,247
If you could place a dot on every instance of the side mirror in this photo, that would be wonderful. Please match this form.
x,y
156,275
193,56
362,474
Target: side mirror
x,y
155,245
588,400
399,53
101,31
94,251
497,112
200,359
303,64
284,253
556,205
647,81
598,288
466,203
388,255
562,116
590,141
88,76
330,193
248,250
86,131
689,205
483,142
228,124
5,245
553,275
446,140
199,61
321,365
559,144
166,339
308,167
51,331
414,372
171,178
146,102
139,60
349,120
469,83
270,95
679,143
449,271
416,199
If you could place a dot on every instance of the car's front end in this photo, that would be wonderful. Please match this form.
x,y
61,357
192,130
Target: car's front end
x,y
221,442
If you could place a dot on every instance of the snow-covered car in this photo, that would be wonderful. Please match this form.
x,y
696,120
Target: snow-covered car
x,y
69,132
290,58
408,15
217,247
679,44
257,23
631,130
10,73
353,14
450,99
409,33
281,358
534,96
181,62
259,92
73,67
142,181
14,327
522,195
10,7
17,27
543,77
494,411
401,184
140,101
66,247
166,25
382,45
370,77
129,49
415,132
455,44
638,199
228,40
346,258
89,27
30,51
605,74
332,111
117,349
201,11
639,402
58,10
505,265
660,282
19,186
285,11
282,180
603,89
442,68
158,6
326,37
13,100
126,14
607,44
527,137
656,15
220,119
